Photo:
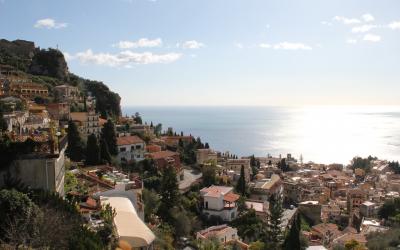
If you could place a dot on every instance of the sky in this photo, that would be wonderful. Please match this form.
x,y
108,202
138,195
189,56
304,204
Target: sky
x,y
220,52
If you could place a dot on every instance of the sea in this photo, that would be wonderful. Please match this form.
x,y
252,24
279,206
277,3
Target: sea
x,y
321,134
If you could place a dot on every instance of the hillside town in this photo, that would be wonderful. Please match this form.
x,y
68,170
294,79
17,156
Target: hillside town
x,y
137,185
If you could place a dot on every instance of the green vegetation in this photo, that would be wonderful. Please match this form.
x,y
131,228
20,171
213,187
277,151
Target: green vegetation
x,y
75,145
395,167
390,211
255,165
250,227
10,150
104,152
169,194
294,240
389,240
92,151
209,174
109,136
241,186
274,233
42,220
49,62
107,102
362,163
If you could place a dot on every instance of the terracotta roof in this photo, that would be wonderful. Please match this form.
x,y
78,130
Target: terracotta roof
x,y
128,140
153,148
231,197
162,154
102,121
78,116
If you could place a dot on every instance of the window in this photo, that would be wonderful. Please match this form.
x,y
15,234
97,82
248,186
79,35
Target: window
x,y
206,205
232,215
122,149
138,146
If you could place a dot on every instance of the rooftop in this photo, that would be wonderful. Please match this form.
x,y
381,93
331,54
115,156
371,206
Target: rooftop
x,y
128,140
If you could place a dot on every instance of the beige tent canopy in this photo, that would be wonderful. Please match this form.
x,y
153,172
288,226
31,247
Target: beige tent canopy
x,y
130,227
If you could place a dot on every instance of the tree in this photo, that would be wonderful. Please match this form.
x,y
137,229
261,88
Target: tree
x,y
283,166
257,245
250,227
209,174
169,193
108,135
353,245
104,153
92,151
292,240
75,144
151,203
255,165
241,183
19,220
3,123
274,233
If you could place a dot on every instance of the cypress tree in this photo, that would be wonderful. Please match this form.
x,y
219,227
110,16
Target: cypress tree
x,y
274,233
292,240
108,134
104,153
75,144
92,151
241,183
169,193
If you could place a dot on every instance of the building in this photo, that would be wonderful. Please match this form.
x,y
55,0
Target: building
x,y
324,233
219,201
264,189
130,188
234,166
368,209
173,140
311,210
27,90
59,111
67,93
43,169
166,158
131,230
130,148
355,197
223,233
205,155
87,122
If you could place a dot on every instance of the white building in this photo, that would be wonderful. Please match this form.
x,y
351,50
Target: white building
x,y
368,209
220,201
223,233
131,230
130,148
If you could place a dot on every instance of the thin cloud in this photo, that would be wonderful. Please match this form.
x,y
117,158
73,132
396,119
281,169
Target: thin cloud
x,y
351,41
239,45
141,43
326,23
363,28
372,38
345,20
368,17
285,46
394,25
292,46
192,44
125,58
49,23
